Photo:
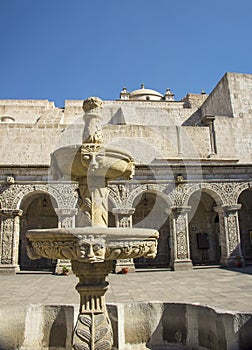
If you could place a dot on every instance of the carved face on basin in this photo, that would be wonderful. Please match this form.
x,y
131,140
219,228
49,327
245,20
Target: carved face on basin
x,y
92,156
91,249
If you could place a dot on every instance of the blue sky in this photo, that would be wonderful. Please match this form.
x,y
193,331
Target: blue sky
x,y
72,49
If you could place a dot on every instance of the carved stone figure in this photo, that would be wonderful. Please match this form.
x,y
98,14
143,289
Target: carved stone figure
x,y
91,248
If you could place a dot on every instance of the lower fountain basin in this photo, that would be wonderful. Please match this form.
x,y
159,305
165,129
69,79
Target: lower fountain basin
x,y
92,244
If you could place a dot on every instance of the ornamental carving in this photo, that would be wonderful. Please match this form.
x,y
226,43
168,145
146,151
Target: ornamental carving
x,y
119,193
92,249
64,194
181,237
233,234
124,221
93,331
239,188
136,190
222,192
7,231
92,103
131,249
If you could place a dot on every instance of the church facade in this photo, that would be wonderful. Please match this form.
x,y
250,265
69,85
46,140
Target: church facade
x,y
192,182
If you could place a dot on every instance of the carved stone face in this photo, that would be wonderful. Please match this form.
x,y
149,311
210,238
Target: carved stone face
x,y
91,249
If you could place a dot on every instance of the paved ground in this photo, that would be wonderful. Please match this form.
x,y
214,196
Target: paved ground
x,y
222,288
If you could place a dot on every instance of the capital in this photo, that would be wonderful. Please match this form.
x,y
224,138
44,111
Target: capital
x,y
11,212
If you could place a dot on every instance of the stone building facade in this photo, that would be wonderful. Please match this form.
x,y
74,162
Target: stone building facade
x,y
192,182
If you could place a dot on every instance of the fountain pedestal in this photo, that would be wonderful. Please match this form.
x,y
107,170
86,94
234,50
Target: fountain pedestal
x,y
93,329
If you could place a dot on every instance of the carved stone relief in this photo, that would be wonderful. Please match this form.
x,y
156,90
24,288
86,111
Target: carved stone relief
x,y
9,235
182,245
64,194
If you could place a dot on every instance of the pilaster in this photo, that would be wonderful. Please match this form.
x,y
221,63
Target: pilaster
x,y
66,219
9,240
123,218
230,234
180,250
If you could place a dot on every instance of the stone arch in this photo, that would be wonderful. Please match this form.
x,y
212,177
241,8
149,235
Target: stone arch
x,y
114,200
60,193
151,188
151,212
212,190
30,195
203,227
38,213
245,223
241,188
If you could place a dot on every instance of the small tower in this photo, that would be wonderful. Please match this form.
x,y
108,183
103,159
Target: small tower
x,y
124,95
168,96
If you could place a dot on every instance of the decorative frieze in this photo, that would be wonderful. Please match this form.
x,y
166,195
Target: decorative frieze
x,y
63,193
75,250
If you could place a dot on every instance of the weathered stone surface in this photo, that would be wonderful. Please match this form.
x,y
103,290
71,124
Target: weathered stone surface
x,y
135,326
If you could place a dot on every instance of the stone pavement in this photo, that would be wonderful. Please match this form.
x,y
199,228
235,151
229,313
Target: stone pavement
x,y
230,290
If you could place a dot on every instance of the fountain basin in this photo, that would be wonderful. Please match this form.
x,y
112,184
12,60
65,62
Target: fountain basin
x,y
92,244
77,161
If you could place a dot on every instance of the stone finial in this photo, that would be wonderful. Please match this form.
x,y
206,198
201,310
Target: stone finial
x,y
92,103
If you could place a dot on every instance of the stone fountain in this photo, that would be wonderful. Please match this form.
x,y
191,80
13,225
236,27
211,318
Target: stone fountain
x,y
92,249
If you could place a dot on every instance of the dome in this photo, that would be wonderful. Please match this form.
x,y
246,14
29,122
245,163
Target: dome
x,y
145,94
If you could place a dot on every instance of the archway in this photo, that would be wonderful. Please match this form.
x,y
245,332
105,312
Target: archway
x,y
245,223
205,247
38,212
150,213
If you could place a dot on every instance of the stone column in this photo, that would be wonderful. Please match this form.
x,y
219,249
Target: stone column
x,y
209,121
229,234
123,218
66,219
9,240
180,250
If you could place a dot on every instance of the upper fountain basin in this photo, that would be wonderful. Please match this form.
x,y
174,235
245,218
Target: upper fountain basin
x,y
79,161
